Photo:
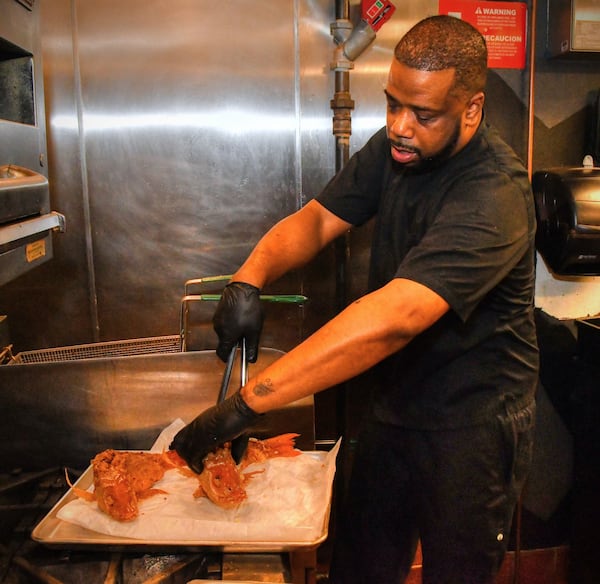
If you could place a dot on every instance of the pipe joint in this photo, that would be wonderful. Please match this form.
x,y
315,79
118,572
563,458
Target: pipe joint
x,y
342,100
351,42
341,30
340,61
362,36
342,106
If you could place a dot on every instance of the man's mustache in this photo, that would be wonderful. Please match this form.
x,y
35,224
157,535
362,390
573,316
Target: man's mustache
x,y
406,147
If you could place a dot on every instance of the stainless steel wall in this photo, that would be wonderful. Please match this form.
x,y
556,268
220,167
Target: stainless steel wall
x,y
183,128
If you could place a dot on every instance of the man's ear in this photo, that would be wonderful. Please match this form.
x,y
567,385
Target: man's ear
x,y
474,108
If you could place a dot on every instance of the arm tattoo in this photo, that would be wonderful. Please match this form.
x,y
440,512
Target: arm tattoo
x,y
263,388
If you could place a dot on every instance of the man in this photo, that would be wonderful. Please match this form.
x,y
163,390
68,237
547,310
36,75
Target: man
x,y
448,324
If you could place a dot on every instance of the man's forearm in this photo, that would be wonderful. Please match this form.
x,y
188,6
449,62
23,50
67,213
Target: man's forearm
x,y
365,333
290,244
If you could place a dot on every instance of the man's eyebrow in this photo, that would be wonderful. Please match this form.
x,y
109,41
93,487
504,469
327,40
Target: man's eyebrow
x,y
417,108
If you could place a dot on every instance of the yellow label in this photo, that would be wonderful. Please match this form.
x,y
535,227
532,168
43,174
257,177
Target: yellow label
x,y
36,250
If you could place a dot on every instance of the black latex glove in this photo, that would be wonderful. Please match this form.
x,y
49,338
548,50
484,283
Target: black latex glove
x,y
239,446
239,315
213,427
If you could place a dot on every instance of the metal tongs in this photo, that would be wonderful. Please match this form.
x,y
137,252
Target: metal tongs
x,y
239,444
229,368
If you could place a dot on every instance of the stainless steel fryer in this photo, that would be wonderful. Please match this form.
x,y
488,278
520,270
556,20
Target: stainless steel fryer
x,y
62,413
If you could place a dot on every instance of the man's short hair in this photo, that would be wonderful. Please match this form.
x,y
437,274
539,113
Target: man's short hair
x,y
445,42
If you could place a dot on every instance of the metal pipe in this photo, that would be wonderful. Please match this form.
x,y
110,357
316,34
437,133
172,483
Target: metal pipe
x,y
351,43
342,106
362,36
342,9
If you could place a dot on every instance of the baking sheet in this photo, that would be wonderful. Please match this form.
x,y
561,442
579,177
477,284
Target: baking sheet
x,y
287,508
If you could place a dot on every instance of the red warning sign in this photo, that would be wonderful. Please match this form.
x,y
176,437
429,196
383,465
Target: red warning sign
x,y
503,24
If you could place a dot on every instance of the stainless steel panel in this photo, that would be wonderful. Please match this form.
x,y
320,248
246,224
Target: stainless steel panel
x,y
63,413
189,137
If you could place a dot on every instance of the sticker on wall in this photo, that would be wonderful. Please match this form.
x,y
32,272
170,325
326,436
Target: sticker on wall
x,y
503,24
36,250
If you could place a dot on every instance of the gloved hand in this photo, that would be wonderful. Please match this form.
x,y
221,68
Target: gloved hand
x,y
213,427
239,315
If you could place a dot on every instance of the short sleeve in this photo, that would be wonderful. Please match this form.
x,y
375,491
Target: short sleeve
x,y
353,194
476,240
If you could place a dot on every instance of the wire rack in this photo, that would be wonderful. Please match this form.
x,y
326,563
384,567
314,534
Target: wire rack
x,y
124,348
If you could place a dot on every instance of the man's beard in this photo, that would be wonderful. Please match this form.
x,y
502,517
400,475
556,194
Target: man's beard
x,y
432,162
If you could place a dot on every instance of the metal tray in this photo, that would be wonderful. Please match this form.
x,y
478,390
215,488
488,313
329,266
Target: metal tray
x,y
57,533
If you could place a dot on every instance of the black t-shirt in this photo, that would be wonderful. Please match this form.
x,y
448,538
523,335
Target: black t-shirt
x,y
464,229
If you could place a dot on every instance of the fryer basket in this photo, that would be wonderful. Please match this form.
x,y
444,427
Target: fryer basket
x,y
122,348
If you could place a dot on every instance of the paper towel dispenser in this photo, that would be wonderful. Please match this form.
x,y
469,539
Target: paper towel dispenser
x,y
567,204
573,29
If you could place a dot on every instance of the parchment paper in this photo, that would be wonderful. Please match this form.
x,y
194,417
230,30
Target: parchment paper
x,y
289,501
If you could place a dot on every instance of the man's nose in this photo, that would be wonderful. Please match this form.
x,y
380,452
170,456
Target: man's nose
x,y
402,124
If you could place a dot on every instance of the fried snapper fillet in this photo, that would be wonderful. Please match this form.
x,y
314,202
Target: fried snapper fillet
x,y
223,481
122,479
283,445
